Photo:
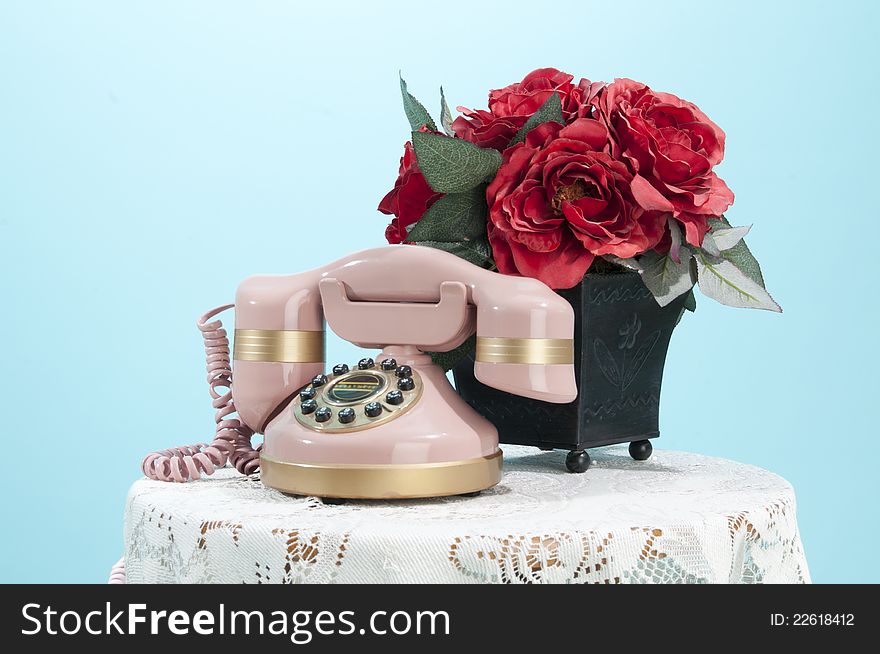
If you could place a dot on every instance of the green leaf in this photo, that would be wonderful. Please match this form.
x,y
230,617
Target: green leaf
x,y
665,278
445,115
454,217
690,301
550,111
720,238
739,255
454,165
476,251
722,280
448,360
416,113
709,246
725,238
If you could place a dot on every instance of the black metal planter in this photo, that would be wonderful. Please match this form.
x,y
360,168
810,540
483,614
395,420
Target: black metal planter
x,y
620,342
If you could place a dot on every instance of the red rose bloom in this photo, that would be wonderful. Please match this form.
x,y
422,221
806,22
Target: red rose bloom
x,y
673,145
511,107
559,200
409,199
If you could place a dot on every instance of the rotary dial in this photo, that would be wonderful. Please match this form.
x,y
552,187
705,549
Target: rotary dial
x,y
359,397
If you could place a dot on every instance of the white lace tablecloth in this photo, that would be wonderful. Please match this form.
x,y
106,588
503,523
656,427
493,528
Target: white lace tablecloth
x,y
676,518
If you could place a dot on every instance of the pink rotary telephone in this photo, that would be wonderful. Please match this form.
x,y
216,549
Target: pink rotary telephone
x,y
392,429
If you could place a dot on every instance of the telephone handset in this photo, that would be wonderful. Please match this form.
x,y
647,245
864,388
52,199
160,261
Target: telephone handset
x,y
389,426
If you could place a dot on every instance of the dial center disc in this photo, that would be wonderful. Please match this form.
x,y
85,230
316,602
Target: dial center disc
x,y
355,387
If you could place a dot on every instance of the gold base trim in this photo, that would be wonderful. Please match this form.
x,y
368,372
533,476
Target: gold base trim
x,y
375,482
541,351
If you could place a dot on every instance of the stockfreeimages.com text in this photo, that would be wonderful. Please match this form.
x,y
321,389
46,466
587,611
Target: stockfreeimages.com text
x,y
300,626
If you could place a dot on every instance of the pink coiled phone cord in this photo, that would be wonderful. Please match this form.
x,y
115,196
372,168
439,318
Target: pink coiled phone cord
x,y
117,572
232,440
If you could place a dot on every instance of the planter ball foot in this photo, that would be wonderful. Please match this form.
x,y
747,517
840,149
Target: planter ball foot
x,y
577,461
641,450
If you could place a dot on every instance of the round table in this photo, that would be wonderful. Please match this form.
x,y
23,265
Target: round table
x,y
676,518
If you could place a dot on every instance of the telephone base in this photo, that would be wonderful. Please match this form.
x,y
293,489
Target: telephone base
x,y
382,481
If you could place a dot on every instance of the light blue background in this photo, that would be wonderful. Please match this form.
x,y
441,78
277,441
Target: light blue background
x,y
153,154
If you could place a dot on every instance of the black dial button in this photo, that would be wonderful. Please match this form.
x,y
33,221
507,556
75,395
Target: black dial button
x,y
404,371
323,414
308,407
346,416
340,369
389,364
366,364
394,397
373,409
307,393
406,384
319,380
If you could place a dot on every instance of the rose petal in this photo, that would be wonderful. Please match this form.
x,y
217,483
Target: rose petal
x,y
562,268
647,196
674,240
589,131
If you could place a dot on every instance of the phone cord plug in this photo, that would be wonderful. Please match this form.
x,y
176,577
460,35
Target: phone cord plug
x,y
232,439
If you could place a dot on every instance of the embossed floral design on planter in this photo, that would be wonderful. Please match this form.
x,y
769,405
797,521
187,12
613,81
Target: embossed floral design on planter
x,y
622,372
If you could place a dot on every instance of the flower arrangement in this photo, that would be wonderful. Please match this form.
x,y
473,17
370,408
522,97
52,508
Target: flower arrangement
x,y
557,179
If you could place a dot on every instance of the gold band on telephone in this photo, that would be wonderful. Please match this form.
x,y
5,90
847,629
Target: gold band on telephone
x,y
279,346
539,351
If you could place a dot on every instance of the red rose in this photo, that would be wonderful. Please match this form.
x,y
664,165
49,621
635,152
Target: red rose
x,y
559,199
511,107
673,145
409,199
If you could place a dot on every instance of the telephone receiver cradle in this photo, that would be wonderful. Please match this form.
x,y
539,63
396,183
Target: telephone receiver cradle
x,y
393,426
431,327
